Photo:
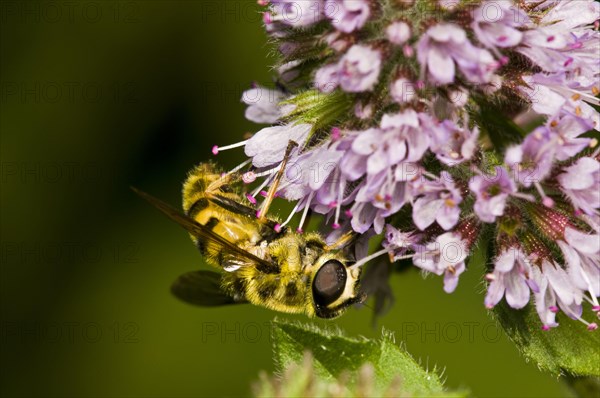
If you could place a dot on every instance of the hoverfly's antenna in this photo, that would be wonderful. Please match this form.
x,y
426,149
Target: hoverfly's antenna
x,y
364,304
262,213
342,241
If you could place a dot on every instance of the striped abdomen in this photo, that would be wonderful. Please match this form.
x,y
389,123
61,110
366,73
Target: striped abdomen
x,y
204,182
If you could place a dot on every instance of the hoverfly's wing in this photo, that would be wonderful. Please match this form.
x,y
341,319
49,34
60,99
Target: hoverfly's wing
x,y
228,249
202,288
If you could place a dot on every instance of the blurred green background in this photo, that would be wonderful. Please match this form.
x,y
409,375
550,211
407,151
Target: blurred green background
x,y
100,95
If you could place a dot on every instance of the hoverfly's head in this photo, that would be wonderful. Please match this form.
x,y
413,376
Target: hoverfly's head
x,y
335,285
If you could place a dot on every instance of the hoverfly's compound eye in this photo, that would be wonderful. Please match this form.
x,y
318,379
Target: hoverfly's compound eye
x,y
329,282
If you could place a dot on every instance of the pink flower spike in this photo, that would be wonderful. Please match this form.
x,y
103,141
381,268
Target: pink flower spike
x,y
215,150
592,326
251,198
277,228
336,226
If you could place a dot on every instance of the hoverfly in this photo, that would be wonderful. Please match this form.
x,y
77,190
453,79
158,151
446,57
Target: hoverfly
x,y
278,269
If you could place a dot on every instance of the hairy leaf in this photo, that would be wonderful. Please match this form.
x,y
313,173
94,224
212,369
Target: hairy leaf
x,y
583,386
569,348
336,356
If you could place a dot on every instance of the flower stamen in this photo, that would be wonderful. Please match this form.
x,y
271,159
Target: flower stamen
x,y
305,212
216,149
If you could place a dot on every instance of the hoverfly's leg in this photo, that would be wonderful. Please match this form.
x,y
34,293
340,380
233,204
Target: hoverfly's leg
x,y
262,213
226,178
342,241
216,185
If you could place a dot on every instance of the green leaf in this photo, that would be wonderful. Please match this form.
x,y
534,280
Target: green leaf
x,y
583,386
501,130
338,356
569,348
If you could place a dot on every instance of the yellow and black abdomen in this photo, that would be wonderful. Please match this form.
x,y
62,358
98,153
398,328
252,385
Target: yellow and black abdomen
x,y
201,180
204,192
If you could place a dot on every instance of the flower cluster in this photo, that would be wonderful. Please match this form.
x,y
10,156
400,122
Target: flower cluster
x,y
449,119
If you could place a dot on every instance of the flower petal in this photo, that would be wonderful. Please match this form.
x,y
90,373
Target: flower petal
x,y
506,260
495,291
585,243
517,291
441,66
